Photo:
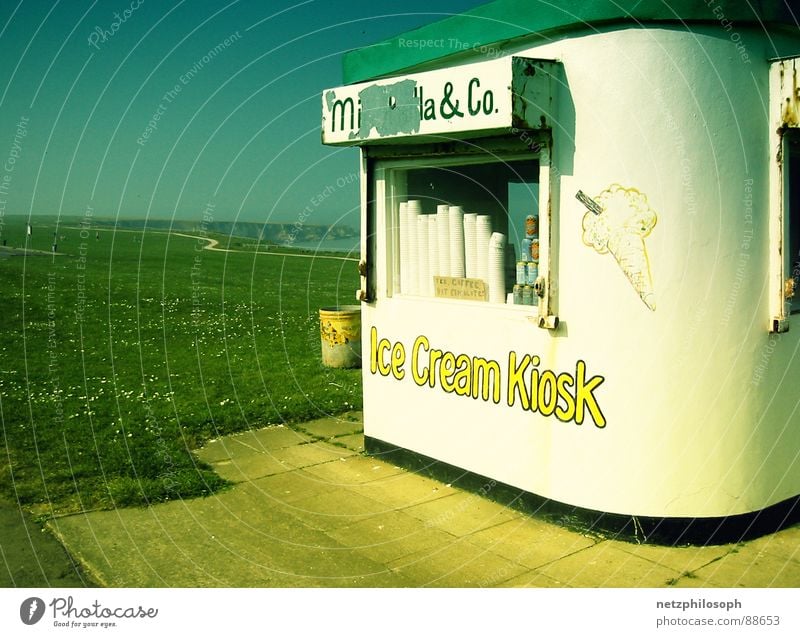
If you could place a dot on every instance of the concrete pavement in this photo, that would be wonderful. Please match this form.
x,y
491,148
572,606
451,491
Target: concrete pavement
x,y
308,509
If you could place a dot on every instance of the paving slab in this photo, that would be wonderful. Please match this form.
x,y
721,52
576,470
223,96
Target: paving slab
x,y
312,453
390,536
403,489
691,580
529,542
607,566
335,508
192,544
456,564
684,559
275,437
290,486
533,579
246,462
259,440
749,566
461,513
353,470
334,426
784,544
351,441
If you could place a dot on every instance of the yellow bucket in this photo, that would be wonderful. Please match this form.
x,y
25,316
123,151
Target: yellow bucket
x,y
340,335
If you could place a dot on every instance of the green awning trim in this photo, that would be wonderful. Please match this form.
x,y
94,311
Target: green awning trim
x,y
501,21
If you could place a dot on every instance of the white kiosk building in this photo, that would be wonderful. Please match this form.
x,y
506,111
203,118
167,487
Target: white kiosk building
x,y
580,241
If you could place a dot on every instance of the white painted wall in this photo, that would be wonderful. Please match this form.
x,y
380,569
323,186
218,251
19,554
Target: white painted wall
x,y
701,401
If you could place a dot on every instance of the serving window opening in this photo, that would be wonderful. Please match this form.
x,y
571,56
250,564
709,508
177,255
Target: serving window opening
x,y
464,228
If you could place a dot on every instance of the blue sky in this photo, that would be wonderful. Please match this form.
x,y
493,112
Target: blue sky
x,y
90,115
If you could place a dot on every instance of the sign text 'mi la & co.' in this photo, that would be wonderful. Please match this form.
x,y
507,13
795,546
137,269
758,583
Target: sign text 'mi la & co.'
x,y
346,113
497,95
569,396
425,103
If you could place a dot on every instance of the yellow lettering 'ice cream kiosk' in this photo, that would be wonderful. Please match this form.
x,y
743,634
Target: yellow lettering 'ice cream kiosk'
x,y
580,243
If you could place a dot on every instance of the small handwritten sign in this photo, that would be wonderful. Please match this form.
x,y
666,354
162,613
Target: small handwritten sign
x,y
450,287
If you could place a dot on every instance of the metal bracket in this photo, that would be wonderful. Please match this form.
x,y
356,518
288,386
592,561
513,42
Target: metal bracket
x,y
539,287
780,325
548,322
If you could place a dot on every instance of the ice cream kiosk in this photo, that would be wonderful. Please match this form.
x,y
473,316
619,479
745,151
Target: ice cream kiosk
x,y
580,242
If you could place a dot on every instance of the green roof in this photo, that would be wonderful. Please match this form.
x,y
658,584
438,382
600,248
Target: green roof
x,y
498,22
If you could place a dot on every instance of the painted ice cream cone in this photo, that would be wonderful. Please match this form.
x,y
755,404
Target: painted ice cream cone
x,y
618,221
629,250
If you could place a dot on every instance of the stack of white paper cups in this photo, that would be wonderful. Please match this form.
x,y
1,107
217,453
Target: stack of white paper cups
x,y
483,230
496,263
413,209
456,219
403,248
470,245
433,250
423,256
443,230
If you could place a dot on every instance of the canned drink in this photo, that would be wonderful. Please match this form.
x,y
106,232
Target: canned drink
x,y
527,295
531,272
534,254
531,226
517,294
521,269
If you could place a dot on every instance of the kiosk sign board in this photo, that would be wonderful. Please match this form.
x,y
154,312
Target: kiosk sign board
x,y
488,97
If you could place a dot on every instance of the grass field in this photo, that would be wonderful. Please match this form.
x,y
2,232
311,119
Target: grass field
x,y
120,357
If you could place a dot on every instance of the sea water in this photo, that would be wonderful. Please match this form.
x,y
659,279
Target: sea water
x,y
349,245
